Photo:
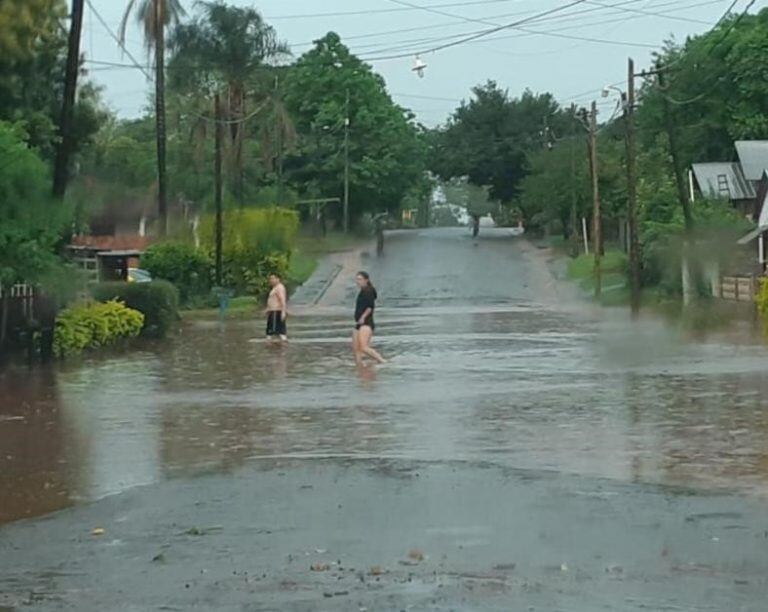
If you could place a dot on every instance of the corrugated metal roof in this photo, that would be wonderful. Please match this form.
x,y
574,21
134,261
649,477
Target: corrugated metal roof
x,y
753,155
723,180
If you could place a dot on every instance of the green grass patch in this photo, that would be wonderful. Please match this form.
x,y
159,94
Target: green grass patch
x,y
243,307
332,242
301,268
583,266
613,267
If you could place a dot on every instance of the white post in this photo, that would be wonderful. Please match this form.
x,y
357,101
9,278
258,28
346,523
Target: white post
x,y
195,230
760,250
690,186
686,273
584,233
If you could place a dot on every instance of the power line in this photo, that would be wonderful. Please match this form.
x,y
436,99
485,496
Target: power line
x,y
442,25
487,22
488,32
420,97
408,50
380,11
117,39
642,12
722,39
568,18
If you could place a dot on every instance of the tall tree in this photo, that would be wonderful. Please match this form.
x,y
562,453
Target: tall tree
x,y
234,50
155,16
487,139
387,154
30,227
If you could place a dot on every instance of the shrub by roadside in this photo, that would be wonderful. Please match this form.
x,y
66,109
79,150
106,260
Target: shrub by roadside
x,y
158,301
94,325
188,268
256,242
761,299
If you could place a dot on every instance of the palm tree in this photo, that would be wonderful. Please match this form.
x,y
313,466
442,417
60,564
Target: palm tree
x,y
155,16
234,51
277,135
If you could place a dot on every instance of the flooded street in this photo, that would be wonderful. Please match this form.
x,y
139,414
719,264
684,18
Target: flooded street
x,y
544,455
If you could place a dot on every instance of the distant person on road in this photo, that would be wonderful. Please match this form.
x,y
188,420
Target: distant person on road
x,y
364,325
277,309
378,222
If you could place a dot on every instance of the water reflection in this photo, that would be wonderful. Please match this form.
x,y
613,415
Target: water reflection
x,y
38,451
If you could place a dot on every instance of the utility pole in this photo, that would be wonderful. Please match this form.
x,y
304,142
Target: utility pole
x,y
218,186
279,139
682,189
346,165
162,173
574,212
597,222
61,167
634,241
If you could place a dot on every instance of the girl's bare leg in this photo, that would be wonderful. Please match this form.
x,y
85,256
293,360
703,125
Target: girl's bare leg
x,y
364,344
356,347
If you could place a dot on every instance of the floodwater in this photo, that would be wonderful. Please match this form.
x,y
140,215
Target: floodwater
x,y
490,362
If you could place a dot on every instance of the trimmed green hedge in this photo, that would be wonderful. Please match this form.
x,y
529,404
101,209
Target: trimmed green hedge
x,y
93,325
158,301
181,264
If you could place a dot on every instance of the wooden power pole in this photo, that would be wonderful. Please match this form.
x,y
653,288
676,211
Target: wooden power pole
x,y
597,222
634,241
64,148
218,186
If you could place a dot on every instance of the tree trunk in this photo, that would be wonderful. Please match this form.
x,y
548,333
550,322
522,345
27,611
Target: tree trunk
x,y
237,135
162,197
64,148
3,318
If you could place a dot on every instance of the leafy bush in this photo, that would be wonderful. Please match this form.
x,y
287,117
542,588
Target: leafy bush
x,y
158,301
256,243
94,325
181,264
762,301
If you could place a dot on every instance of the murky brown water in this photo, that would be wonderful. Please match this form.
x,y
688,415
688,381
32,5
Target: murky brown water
x,y
488,365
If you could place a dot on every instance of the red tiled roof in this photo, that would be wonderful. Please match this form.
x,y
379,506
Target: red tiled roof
x,y
113,243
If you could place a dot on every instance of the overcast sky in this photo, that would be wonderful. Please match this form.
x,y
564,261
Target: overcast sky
x,y
558,61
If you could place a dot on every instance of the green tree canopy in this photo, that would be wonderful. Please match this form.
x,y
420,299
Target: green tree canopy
x,y
714,90
31,225
231,51
386,150
487,139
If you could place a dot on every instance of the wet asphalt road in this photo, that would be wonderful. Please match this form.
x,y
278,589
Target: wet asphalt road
x,y
537,454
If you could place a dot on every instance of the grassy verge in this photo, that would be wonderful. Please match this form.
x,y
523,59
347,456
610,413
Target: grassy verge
x,y
613,266
242,307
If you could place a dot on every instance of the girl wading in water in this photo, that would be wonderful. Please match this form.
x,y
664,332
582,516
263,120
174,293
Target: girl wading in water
x,y
277,309
364,325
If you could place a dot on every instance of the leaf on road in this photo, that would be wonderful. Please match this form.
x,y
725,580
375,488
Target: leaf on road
x,y
320,567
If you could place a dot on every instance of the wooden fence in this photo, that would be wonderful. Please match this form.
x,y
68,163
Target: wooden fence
x,y
21,302
737,288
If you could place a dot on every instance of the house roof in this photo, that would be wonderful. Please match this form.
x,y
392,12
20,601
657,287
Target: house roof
x,y
723,180
753,155
128,242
